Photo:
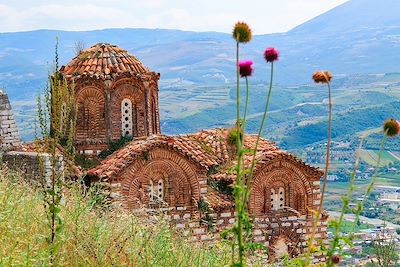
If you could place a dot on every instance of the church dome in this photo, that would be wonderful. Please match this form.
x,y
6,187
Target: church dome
x,y
104,59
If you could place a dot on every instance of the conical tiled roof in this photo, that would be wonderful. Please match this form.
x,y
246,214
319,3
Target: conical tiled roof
x,y
103,59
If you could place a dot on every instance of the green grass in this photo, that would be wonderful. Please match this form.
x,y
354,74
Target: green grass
x,y
90,236
371,157
347,227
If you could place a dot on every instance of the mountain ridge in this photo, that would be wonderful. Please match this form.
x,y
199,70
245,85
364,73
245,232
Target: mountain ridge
x,y
191,63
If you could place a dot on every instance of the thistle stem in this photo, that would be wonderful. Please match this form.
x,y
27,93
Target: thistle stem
x,y
246,104
346,200
325,176
328,149
253,161
372,183
239,184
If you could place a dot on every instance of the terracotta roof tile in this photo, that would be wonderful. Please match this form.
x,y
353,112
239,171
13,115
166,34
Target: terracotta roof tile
x,y
218,201
103,59
208,148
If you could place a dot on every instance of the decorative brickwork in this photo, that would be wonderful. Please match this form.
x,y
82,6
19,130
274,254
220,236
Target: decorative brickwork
x,y
90,122
283,183
105,78
183,172
281,234
180,180
131,90
187,176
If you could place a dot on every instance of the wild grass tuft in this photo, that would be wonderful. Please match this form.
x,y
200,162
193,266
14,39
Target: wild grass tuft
x,y
91,236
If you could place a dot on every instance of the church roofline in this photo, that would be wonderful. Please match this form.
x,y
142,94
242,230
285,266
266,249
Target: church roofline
x,y
105,61
207,148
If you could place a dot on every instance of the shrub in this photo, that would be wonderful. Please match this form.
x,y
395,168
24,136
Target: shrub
x,y
115,145
233,136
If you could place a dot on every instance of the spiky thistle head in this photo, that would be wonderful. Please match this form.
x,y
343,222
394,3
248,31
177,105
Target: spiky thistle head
x,y
391,127
322,76
335,259
245,68
271,54
242,32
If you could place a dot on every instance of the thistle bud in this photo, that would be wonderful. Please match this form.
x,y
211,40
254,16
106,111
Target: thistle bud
x,y
322,76
242,32
391,127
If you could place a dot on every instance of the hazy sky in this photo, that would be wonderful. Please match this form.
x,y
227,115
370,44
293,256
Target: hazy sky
x,y
264,16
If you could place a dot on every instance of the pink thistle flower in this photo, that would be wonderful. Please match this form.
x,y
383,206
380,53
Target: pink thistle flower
x,y
271,54
245,68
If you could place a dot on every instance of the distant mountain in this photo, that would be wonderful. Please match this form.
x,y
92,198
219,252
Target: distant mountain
x,y
358,37
354,15
26,57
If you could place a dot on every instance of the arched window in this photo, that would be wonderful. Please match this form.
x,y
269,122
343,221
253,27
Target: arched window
x,y
160,189
156,191
150,191
277,198
273,197
126,117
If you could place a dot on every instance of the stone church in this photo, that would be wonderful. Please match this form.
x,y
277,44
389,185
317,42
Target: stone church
x,y
187,174
116,95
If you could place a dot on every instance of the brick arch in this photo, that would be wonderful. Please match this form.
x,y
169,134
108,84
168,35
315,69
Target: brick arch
x,y
180,179
300,199
84,81
291,239
90,121
298,189
127,89
131,81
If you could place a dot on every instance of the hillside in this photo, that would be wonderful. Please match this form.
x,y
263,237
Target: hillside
x,y
353,40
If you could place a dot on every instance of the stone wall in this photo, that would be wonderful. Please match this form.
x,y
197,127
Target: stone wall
x,y
28,164
283,234
9,136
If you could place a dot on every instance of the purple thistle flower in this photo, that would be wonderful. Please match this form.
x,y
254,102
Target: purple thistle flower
x,y
245,68
271,54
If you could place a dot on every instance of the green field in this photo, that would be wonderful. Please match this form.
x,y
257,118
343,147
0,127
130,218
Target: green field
x,y
371,157
336,190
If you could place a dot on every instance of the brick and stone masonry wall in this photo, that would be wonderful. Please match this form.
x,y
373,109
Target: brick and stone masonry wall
x,y
9,136
28,164
293,230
